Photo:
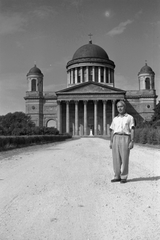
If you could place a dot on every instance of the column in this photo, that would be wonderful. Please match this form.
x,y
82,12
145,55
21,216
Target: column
x,y
109,75
68,78
59,117
104,117
71,76
87,74
95,117
93,74
29,84
76,75
67,116
104,74
85,117
76,117
113,109
99,74
81,74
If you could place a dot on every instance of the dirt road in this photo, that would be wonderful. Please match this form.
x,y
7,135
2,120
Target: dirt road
x,y
63,192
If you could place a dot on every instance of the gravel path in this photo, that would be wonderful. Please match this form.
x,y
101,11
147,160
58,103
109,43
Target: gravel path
x,y
63,192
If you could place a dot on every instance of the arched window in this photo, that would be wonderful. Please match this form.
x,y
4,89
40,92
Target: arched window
x,y
51,123
33,85
147,83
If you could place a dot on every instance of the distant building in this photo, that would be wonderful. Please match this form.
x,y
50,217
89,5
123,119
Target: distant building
x,y
89,101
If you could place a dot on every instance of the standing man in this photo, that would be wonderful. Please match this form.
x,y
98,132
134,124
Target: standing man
x,y
122,140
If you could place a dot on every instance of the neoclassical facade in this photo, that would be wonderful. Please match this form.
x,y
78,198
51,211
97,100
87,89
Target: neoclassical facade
x,y
88,104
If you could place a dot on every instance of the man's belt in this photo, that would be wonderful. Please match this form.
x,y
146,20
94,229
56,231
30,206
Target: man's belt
x,y
123,134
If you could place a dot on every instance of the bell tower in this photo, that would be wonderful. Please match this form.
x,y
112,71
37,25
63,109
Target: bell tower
x,y
34,95
146,78
147,92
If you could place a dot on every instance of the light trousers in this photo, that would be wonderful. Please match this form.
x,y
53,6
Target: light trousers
x,y
120,153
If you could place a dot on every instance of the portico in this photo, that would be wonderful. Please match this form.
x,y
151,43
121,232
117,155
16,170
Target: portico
x,y
88,106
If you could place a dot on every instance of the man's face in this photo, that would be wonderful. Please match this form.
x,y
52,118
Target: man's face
x,y
121,108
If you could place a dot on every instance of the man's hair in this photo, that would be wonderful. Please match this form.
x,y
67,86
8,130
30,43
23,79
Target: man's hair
x,y
122,102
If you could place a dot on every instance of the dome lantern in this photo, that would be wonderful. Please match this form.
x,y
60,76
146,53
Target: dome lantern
x,y
35,71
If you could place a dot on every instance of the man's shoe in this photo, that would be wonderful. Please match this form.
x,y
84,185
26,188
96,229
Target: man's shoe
x,y
123,181
116,180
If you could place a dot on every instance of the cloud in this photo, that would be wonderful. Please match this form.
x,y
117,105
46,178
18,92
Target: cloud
x,y
120,28
43,12
12,23
137,15
123,25
75,3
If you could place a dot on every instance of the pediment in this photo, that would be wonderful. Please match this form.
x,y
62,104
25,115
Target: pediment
x,y
90,88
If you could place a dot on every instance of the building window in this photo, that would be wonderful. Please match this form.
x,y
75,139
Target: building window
x,y
147,83
106,75
33,85
102,74
90,73
73,75
79,75
96,74
111,76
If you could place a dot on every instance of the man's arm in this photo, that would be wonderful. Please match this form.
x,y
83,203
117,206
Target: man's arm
x,y
131,144
111,141
132,134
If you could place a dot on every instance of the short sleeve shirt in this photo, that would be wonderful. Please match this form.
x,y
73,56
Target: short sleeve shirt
x,y
122,124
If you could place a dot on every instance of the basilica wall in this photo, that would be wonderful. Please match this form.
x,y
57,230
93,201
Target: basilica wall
x,y
89,101
49,111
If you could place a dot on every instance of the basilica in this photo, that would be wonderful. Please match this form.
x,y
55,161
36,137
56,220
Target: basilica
x,y
88,103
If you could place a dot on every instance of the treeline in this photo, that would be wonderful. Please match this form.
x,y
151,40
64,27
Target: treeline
x,y
17,130
147,135
18,124
148,132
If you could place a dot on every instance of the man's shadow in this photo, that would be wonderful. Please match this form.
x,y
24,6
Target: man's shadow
x,y
144,179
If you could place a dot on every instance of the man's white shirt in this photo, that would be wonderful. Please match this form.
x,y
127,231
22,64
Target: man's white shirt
x,y
122,124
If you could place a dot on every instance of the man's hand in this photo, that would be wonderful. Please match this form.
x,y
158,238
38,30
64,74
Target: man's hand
x,y
131,145
110,145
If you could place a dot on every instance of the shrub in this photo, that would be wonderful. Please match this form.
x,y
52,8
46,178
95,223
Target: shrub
x,y
143,136
147,135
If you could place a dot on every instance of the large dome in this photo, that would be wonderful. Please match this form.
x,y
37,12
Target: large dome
x,y
90,51
146,69
34,71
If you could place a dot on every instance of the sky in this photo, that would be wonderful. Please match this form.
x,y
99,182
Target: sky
x,y
48,32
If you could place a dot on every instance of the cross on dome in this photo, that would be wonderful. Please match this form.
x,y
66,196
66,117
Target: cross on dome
x,y
90,37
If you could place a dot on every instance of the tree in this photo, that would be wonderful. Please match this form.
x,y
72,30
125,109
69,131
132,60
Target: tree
x,y
17,123
156,115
